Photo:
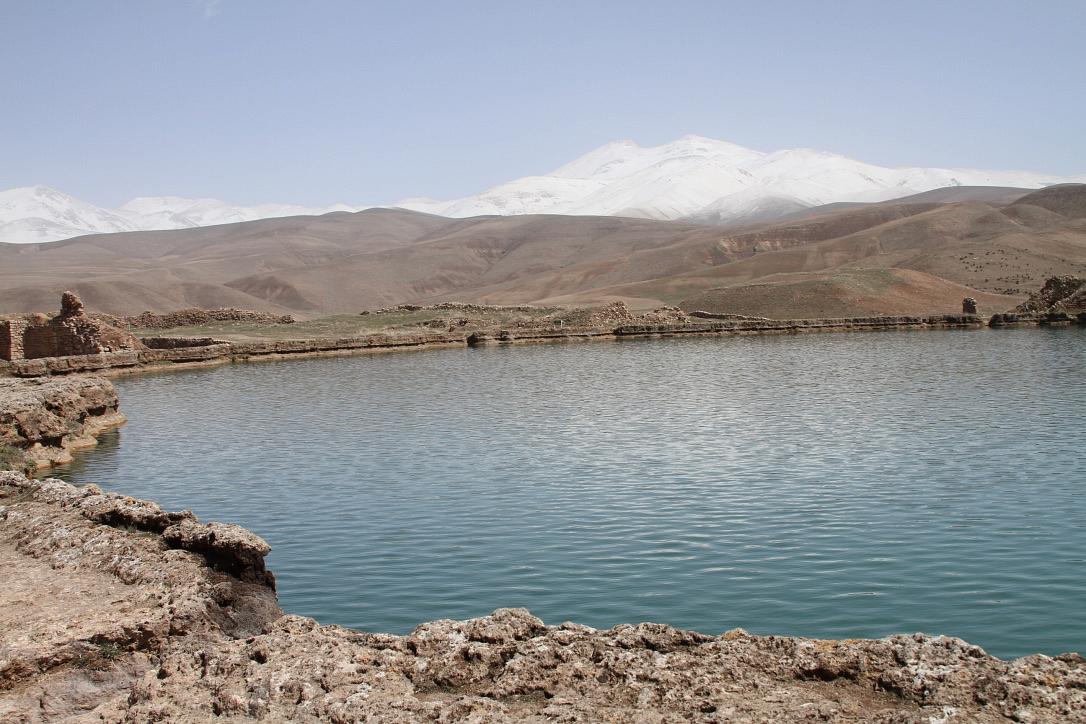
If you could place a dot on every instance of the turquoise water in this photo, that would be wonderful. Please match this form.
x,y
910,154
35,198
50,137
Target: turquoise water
x,y
836,485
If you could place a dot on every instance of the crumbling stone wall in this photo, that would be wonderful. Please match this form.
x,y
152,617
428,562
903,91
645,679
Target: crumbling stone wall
x,y
40,340
69,333
178,342
1059,294
193,317
12,332
61,337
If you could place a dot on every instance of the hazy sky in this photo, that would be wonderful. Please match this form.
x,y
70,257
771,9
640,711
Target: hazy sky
x,y
316,101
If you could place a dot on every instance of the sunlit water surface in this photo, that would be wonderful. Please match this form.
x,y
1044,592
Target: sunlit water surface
x,y
838,485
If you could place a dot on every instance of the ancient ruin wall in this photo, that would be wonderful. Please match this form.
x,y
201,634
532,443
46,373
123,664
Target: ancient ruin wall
x,y
12,332
69,333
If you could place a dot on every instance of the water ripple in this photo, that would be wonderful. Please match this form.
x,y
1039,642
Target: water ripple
x,y
822,485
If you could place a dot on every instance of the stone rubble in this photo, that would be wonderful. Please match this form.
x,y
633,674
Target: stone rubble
x,y
1059,294
194,316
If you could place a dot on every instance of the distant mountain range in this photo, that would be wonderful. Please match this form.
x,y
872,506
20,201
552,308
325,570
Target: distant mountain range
x,y
916,255
38,213
704,180
692,179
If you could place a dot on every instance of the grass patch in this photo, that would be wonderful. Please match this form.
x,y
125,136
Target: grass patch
x,y
339,326
99,658
13,458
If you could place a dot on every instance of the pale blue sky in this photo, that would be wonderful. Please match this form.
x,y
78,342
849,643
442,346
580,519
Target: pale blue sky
x,y
361,102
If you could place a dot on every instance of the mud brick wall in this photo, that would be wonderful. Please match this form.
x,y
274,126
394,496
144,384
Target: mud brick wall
x,y
60,337
11,339
40,340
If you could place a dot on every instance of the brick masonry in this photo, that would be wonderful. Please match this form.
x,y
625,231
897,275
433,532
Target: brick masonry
x,y
69,333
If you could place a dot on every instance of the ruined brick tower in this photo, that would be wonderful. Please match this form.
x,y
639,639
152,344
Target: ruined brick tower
x,y
71,332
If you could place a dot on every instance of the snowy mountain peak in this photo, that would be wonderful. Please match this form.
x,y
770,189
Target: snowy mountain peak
x,y
33,214
693,177
40,213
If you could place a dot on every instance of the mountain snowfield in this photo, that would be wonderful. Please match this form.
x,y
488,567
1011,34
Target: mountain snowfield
x,y
693,178
39,213
707,180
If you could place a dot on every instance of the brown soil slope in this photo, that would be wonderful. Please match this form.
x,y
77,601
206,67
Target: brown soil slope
x,y
337,262
981,250
845,293
165,270
991,246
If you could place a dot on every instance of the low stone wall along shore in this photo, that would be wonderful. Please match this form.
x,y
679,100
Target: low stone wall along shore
x,y
163,352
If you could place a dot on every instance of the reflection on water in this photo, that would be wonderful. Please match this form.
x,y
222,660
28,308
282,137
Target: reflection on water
x,y
824,485
104,454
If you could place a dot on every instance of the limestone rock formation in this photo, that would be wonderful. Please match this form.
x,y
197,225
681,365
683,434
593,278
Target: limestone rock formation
x,y
91,593
47,418
230,548
116,610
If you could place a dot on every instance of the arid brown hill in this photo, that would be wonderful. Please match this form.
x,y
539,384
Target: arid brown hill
x,y
915,255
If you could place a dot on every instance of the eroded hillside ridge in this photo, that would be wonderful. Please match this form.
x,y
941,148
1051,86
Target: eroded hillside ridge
x,y
42,420
117,610
910,256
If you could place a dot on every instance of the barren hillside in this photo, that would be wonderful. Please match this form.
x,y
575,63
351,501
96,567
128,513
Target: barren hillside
x,y
915,255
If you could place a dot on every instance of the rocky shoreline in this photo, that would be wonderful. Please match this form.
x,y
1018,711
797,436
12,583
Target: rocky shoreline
x,y
45,419
117,610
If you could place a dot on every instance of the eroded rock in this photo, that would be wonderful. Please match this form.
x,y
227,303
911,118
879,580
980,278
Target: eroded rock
x,y
47,418
226,547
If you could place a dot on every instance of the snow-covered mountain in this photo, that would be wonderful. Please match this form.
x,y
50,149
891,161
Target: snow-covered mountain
x,y
174,212
708,180
39,213
692,178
